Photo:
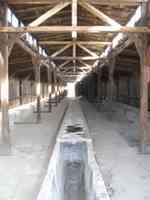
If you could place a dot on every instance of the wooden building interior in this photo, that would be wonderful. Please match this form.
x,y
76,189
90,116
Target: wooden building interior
x,y
55,42
103,46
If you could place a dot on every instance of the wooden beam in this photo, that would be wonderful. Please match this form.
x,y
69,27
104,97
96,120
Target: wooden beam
x,y
61,50
87,50
143,49
85,64
74,33
4,90
111,88
96,2
120,39
80,29
74,54
94,11
74,18
49,73
37,68
77,42
64,64
49,13
72,58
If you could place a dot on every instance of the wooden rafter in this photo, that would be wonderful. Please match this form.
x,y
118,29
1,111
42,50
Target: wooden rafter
x,y
49,13
87,50
85,64
98,13
64,64
61,50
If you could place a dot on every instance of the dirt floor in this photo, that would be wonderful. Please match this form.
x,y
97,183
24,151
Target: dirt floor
x,y
21,173
126,172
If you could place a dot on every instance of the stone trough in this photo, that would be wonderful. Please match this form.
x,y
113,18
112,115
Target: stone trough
x,y
73,173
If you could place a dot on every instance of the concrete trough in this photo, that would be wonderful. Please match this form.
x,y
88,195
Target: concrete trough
x,y
73,173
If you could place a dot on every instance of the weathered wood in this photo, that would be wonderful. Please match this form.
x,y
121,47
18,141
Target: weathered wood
x,y
55,86
74,17
111,85
49,13
20,92
91,53
97,2
90,8
79,29
49,89
5,141
67,58
99,84
61,50
100,43
36,64
141,44
128,89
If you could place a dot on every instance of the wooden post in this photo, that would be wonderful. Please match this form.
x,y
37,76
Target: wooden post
x,y
49,89
128,89
117,89
58,90
99,85
111,84
20,92
55,87
4,135
36,63
141,43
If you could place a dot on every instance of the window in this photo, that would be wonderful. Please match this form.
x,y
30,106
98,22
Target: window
x,y
40,50
9,16
15,21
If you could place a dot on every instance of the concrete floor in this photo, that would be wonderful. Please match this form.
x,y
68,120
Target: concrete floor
x,y
126,172
22,172
73,172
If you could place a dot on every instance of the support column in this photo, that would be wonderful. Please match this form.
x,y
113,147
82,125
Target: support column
x,y
49,89
55,87
99,85
20,92
128,89
36,63
58,90
111,84
117,89
144,52
4,121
